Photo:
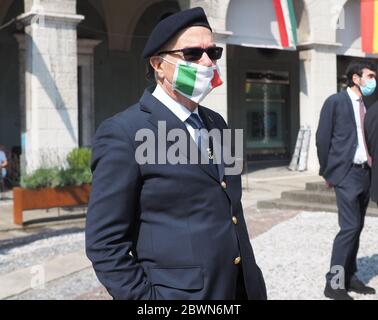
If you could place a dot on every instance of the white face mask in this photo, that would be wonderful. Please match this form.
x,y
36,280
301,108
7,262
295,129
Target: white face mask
x,y
193,80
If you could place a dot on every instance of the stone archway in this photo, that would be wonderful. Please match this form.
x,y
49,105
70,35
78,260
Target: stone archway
x,y
252,23
119,69
302,14
323,18
146,22
349,34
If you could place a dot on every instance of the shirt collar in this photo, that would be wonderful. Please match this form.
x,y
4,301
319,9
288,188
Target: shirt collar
x,y
178,109
353,95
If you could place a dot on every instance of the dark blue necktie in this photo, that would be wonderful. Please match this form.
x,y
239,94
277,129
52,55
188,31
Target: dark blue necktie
x,y
196,123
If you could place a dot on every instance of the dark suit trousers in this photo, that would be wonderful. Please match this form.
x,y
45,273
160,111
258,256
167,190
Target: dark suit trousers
x,y
352,196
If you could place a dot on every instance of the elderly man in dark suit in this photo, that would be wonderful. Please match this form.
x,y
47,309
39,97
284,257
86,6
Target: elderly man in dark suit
x,y
170,230
371,134
345,165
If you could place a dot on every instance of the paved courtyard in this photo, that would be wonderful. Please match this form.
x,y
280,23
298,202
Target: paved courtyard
x,y
295,254
292,248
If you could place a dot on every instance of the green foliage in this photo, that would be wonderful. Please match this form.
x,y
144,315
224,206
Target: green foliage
x,y
76,177
77,173
42,178
79,159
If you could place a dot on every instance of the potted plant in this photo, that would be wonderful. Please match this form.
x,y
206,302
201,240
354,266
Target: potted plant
x,y
51,187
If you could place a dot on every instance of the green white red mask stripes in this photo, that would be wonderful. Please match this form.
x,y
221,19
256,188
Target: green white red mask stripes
x,y
195,81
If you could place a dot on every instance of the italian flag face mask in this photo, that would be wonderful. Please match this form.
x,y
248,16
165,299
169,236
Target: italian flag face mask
x,y
195,81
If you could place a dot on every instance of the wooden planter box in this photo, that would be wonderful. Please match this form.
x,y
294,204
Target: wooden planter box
x,y
45,198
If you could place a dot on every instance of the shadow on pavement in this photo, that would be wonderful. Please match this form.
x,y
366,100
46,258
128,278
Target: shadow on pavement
x,y
367,268
8,244
54,219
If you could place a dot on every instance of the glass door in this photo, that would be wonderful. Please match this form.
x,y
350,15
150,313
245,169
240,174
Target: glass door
x,y
266,113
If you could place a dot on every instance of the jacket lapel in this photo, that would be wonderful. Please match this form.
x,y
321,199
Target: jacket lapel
x,y
210,124
159,112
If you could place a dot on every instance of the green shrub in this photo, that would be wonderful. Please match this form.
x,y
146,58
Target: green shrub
x,y
77,173
79,159
42,178
76,177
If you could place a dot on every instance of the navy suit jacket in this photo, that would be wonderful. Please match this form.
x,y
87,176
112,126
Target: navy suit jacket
x,y
336,138
371,134
164,231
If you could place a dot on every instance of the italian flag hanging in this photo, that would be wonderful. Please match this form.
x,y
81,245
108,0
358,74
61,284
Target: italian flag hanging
x,y
195,81
287,23
369,26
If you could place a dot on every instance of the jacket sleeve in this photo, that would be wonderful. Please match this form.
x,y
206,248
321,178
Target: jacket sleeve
x,y
112,214
324,133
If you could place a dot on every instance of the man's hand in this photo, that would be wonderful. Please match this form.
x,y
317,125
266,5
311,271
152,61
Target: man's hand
x,y
328,185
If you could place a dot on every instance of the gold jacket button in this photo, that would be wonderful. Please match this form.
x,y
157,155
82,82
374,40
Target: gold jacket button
x,y
224,185
237,260
234,220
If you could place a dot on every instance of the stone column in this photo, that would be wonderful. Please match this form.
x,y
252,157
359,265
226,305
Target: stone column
x,y
51,91
87,97
318,70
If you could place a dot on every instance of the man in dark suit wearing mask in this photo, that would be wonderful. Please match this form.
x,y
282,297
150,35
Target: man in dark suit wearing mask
x,y
170,231
345,165
371,134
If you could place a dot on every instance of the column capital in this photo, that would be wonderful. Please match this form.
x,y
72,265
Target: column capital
x,y
313,45
29,18
87,46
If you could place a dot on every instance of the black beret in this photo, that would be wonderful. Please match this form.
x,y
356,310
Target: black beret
x,y
167,28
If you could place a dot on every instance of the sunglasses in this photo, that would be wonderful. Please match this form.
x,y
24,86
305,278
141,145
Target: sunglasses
x,y
195,53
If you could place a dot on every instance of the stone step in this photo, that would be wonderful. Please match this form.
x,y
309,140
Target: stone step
x,y
321,197
318,187
283,204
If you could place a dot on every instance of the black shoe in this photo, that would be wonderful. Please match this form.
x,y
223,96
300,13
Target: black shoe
x,y
336,294
356,285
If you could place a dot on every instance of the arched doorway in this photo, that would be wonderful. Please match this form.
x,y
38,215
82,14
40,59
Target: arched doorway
x,y
118,67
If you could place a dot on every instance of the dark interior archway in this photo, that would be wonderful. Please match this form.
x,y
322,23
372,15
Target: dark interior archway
x,y
10,113
120,75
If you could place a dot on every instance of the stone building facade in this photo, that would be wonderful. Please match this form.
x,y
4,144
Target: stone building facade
x,y
66,65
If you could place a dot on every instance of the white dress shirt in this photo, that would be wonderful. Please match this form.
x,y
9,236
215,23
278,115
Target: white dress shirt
x,y
361,153
178,109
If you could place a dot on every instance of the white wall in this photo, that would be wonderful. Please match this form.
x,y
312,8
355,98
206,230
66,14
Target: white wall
x,y
253,23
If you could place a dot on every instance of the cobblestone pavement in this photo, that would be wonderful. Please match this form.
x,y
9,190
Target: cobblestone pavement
x,y
295,255
28,255
293,250
84,285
